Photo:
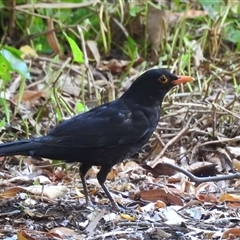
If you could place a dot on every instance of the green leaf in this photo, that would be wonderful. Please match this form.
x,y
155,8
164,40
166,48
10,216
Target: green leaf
x,y
14,51
2,123
5,69
80,108
4,104
77,53
131,47
135,10
232,34
1,4
36,183
15,62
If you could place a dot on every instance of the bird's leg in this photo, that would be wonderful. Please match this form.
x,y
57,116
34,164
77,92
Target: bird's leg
x,y
82,172
101,176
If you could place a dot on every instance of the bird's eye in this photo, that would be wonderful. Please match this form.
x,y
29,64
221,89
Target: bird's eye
x,y
163,79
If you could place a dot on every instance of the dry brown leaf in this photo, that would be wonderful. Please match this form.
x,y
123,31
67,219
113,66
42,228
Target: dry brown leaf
x,y
161,160
21,237
52,38
112,174
30,96
226,197
11,192
174,17
172,180
160,169
56,176
233,205
158,194
194,13
210,198
157,29
191,203
231,233
115,65
204,169
92,51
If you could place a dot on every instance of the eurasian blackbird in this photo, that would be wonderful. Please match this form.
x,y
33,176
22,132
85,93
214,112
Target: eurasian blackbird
x,y
105,135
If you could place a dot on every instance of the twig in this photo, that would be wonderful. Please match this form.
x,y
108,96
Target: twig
x,y
199,180
224,109
169,143
214,114
231,140
160,141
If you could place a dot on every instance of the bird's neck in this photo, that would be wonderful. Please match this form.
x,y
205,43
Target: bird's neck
x,y
145,100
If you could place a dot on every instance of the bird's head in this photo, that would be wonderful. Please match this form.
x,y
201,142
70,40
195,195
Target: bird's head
x,y
151,87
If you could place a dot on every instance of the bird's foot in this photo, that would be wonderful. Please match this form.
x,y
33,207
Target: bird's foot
x,y
89,202
120,208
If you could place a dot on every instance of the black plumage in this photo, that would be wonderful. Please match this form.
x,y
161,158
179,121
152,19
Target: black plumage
x,y
105,135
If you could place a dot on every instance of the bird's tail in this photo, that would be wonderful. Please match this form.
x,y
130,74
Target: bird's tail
x,y
22,147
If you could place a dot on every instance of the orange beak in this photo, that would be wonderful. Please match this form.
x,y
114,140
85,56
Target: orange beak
x,y
182,79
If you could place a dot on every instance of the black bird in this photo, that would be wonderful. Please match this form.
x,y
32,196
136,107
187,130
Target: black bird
x,y
105,135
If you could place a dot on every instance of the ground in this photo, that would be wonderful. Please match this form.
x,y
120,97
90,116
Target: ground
x,y
183,184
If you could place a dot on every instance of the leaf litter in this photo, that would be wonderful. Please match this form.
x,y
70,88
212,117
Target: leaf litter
x,y
198,135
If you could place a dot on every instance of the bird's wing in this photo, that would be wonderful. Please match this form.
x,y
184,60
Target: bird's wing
x,y
105,126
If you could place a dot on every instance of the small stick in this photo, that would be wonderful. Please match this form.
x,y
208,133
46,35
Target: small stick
x,y
199,180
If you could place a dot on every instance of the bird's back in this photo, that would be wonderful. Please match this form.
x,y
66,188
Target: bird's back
x,y
104,135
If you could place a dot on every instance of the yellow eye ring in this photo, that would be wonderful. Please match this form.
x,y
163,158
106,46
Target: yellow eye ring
x,y
163,79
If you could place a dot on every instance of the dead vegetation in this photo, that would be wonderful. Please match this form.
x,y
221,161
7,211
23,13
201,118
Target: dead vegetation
x,y
184,184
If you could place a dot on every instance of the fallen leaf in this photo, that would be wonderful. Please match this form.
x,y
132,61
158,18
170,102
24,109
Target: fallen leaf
x,y
236,164
52,38
30,96
66,233
28,51
194,13
51,192
11,192
231,233
157,29
112,174
207,198
229,197
93,224
150,207
92,51
158,194
127,217
160,170
233,205
204,170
